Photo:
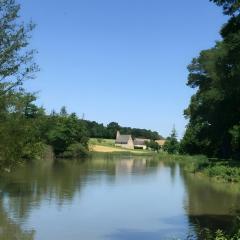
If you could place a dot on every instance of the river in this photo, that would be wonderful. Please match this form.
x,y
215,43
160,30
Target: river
x,y
116,198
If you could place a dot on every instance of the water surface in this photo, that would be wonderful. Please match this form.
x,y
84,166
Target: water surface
x,y
120,198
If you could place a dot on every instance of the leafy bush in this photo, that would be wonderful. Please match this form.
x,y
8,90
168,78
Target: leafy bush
x,y
221,236
227,173
153,145
65,130
75,150
33,151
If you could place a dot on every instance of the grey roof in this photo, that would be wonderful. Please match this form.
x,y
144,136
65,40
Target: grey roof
x,y
140,141
123,139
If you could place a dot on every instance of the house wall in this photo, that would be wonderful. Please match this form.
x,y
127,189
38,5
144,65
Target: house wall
x,y
129,145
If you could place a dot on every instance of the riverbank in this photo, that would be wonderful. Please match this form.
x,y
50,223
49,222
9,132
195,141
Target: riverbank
x,y
219,170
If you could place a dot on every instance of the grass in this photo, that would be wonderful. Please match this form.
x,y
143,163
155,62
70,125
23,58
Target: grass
x,y
222,171
100,145
102,142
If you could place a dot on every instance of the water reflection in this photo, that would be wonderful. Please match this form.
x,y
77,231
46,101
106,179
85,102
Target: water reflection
x,y
111,198
11,230
210,204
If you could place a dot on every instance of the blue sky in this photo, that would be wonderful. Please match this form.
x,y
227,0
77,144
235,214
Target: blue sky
x,y
120,60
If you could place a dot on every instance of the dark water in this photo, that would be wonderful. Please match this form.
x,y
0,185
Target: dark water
x,y
119,198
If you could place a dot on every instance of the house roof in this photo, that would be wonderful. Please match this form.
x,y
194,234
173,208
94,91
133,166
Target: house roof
x,y
123,139
140,141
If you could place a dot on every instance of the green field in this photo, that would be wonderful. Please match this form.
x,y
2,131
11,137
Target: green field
x,y
102,142
108,146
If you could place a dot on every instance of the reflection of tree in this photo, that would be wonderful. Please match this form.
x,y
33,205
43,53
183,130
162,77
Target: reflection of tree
x,y
209,204
25,188
11,230
173,169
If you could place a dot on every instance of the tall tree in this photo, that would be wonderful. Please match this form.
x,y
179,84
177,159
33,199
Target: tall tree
x,y
16,66
172,145
16,58
214,113
230,7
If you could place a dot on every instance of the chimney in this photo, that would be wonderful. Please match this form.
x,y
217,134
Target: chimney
x,y
118,135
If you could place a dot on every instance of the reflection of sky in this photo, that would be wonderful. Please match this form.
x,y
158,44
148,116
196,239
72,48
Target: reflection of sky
x,y
112,211
99,199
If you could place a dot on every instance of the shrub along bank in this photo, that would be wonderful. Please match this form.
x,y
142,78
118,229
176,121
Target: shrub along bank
x,y
221,170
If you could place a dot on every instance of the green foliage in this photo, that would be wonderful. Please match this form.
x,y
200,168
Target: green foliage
x,y
206,234
16,59
213,112
25,129
229,6
19,127
112,129
223,172
97,130
76,150
65,130
63,111
172,145
153,145
235,134
220,235
102,142
19,131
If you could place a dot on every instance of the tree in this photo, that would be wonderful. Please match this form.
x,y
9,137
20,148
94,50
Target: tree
x,y
214,108
172,145
16,59
230,7
235,143
20,131
65,131
63,111
112,129
153,145
18,138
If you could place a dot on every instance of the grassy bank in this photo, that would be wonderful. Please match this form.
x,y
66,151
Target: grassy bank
x,y
221,170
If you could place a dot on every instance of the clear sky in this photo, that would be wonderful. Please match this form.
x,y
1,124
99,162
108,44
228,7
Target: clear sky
x,y
120,60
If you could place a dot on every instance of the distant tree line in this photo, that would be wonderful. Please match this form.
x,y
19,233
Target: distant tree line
x,y
97,130
214,110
